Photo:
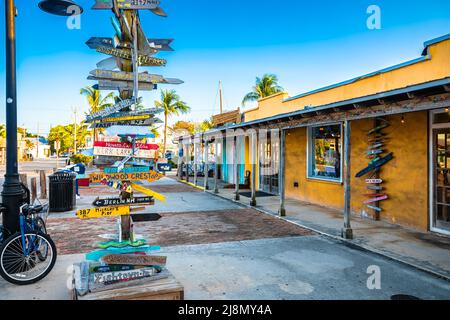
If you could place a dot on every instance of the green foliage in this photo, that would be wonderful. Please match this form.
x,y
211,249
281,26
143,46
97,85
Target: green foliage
x,y
265,86
185,125
172,105
80,158
64,134
204,126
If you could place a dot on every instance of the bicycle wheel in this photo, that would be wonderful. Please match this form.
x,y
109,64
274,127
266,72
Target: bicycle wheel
x,y
21,269
40,227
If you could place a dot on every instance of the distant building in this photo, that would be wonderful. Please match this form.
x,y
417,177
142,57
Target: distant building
x,y
35,148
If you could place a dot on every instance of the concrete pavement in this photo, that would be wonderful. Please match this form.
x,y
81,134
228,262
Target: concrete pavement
x,y
311,267
426,251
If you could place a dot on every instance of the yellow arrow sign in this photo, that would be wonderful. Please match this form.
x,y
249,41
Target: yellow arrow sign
x,y
132,176
91,213
148,192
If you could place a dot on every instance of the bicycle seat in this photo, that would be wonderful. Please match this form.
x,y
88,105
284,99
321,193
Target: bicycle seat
x,y
27,209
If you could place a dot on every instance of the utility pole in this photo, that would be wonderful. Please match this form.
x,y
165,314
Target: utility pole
x,y
75,131
221,96
37,141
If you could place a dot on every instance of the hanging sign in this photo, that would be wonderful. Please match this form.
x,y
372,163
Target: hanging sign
x,y
109,110
374,181
143,60
126,4
92,213
122,85
134,176
120,202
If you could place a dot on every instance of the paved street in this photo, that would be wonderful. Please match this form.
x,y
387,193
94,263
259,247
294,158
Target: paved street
x,y
220,250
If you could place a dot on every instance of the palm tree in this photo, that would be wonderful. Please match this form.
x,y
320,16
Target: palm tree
x,y
265,86
96,101
172,105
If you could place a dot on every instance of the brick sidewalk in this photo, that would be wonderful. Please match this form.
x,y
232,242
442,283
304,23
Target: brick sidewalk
x,y
79,236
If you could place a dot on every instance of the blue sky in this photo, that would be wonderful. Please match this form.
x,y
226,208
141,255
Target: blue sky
x,y
308,44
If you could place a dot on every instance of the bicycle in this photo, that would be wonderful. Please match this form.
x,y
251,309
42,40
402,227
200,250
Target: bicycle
x,y
29,255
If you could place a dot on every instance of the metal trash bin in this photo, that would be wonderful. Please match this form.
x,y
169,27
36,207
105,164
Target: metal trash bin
x,y
62,195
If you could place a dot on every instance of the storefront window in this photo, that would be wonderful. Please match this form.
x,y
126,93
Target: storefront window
x,y
325,152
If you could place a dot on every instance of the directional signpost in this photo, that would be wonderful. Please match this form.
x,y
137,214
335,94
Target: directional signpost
x,y
129,49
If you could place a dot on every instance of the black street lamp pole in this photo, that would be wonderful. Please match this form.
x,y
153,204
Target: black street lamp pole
x,y
12,193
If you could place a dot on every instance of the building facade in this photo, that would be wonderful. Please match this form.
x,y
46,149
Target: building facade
x,y
313,147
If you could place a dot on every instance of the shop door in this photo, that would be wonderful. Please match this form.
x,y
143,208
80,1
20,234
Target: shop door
x,y
440,214
268,167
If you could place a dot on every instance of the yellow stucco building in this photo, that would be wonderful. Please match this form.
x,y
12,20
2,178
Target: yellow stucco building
x,y
312,139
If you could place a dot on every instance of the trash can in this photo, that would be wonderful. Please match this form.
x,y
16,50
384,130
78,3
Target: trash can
x,y
62,191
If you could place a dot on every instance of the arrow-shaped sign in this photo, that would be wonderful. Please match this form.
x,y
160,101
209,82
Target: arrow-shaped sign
x,y
108,4
148,113
129,76
108,63
143,60
118,201
156,44
104,212
142,123
121,85
127,4
110,110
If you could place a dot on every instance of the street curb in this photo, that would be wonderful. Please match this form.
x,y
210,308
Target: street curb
x,y
346,242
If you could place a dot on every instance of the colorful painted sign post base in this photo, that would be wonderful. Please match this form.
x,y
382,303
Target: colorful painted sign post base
x,y
92,213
